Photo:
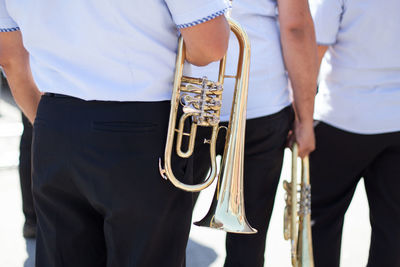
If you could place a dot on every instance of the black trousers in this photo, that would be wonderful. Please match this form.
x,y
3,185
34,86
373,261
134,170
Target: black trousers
x,y
264,149
100,199
337,165
25,172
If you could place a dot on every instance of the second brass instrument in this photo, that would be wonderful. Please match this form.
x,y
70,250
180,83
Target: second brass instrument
x,y
297,227
201,101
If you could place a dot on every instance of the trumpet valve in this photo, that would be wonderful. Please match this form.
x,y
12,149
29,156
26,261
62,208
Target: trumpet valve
x,y
202,98
305,200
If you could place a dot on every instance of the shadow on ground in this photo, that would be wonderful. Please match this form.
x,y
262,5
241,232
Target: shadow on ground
x,y
198,255
30,250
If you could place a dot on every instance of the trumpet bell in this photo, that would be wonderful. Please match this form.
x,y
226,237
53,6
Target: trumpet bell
x,y
227,210
226,221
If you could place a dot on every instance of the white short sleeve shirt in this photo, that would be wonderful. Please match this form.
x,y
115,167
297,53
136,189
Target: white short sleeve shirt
x,y
268,83
359,89
120,50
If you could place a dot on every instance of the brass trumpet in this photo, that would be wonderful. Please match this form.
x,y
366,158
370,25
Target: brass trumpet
x,y
201,101
297,227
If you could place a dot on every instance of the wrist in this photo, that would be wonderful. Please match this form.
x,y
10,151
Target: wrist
x,y
305,121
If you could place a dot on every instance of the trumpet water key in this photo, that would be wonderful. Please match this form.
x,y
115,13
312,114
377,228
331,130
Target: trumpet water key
x,y
201,100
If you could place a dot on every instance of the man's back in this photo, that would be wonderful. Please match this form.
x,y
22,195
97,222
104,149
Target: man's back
x,y
121,50
363,62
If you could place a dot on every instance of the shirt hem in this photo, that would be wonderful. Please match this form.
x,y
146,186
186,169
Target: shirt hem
x,y
326,43
258,113
358,130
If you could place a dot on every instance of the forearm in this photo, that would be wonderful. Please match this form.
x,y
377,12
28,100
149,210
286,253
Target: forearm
x,y
14,60
206,42
300,55
24,90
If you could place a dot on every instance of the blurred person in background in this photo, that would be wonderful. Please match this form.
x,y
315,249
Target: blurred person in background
x,y
15,63
24,167
283,48
357,115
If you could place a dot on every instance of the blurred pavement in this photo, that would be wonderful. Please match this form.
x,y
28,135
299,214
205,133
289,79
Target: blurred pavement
x,y
206,246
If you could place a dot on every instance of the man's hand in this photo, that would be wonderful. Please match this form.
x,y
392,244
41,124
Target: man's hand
x,y
303,135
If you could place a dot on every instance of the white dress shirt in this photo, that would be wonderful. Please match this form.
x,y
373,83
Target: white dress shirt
x,y
116,50
359,88
268,84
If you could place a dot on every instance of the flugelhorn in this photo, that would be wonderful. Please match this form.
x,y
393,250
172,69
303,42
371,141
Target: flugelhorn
x,y
297,227
201,101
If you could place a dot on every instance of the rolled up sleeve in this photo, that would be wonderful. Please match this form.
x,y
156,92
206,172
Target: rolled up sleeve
x,y
7,24
190,13
327,15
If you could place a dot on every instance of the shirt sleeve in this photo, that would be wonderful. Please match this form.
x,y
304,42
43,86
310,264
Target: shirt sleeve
x,y
7,24
190,13
327,15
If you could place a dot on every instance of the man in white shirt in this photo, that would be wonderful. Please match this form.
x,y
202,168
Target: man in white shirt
x,y
105,70
276,53
358,125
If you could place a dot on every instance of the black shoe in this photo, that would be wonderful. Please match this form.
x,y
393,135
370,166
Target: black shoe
x,y
29,230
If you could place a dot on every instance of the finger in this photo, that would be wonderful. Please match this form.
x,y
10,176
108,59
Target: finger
x,y
304,152
289,141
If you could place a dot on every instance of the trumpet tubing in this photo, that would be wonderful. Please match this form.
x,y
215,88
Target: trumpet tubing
x,y
201,100
297,221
